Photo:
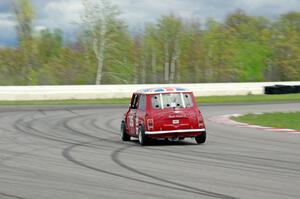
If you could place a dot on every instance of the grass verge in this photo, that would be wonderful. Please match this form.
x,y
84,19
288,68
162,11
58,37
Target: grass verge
x,y
67,102
276,120
201,100
250,98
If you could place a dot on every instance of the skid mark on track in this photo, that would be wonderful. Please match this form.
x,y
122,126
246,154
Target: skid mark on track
x,y
27,127
11,196
20,154
116,159
108,123
175,186
7,114
111,126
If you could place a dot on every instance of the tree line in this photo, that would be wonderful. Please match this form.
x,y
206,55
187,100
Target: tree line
x,y
242,48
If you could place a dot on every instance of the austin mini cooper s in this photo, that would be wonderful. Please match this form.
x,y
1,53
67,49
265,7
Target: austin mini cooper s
x,y
163,113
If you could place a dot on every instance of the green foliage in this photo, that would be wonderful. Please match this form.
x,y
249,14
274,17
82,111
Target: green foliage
x,y
49,44
120,60
286,47
243,48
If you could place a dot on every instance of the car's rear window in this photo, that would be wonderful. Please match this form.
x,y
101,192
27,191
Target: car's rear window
x,y
171,100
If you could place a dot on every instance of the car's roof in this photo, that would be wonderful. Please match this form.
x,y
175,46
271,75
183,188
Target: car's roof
x,y
157,90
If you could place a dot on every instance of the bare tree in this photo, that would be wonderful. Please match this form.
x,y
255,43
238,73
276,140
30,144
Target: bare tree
x,y
167,61
101,21
170,29
151,50
25,15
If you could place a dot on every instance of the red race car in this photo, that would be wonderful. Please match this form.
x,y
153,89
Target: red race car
x,y
163,113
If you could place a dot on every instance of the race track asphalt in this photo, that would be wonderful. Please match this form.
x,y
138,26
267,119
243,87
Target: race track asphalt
x,y
75,152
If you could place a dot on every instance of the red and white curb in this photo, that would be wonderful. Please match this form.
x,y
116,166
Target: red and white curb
x,y
226,119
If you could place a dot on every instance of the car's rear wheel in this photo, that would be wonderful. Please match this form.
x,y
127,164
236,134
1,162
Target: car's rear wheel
x,y
124,135
143,140
201,138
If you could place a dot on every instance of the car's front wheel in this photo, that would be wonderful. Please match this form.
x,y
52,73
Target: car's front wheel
x,y
201,138
143,140
124,135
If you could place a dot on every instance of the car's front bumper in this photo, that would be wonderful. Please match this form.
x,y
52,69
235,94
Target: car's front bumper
x,y
175,133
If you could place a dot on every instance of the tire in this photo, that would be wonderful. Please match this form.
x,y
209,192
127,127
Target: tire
x,y
124,135
143,140
201,138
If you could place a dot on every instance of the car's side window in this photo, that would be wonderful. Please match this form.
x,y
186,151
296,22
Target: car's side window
x,y
134,102
188,100
155,101
142,103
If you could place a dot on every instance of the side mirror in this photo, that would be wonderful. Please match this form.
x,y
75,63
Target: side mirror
x,y
131,106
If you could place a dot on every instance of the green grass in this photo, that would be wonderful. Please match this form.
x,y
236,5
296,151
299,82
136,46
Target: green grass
x,y
250,98
68,102
277,120
201,100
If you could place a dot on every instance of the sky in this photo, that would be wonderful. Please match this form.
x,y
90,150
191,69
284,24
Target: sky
x,y
65,14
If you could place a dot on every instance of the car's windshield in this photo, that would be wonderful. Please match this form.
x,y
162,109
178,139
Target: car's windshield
x,y
171,100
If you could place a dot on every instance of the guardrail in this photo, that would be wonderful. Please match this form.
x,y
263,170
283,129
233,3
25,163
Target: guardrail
x,y
24,93
282,89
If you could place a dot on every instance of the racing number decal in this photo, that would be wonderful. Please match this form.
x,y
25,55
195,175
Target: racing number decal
x,y
131,120
136,125
131,123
